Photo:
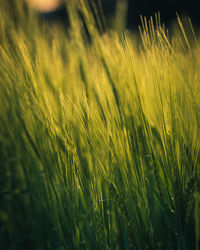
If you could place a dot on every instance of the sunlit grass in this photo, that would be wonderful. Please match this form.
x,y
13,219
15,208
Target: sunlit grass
x,y
99,135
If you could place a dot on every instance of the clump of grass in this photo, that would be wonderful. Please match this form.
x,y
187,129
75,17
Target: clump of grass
x,y
99,135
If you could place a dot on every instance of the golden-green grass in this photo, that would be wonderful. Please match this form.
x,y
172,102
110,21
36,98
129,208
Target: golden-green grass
x,y
99,134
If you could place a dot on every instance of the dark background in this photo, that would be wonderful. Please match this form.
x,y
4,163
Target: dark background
x,y
167,9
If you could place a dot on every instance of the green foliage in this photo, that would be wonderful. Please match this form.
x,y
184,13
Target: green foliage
x,y
99,135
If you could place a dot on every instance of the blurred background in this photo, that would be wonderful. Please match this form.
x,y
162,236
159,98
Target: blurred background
x,y
127,10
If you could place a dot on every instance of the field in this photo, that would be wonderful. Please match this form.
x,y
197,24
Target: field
x,y
99,134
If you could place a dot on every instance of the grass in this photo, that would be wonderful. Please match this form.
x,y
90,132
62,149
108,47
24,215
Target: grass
x,y
99,135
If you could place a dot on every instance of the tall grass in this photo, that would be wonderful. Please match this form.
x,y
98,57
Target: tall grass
x,y
99,135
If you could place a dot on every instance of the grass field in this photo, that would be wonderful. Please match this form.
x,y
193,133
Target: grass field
x,y
99,135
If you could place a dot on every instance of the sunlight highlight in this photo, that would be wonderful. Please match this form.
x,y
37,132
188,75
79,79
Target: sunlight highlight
x,y
45,5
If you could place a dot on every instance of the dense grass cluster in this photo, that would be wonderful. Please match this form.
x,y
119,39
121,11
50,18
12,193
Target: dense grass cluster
x,y
99,135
